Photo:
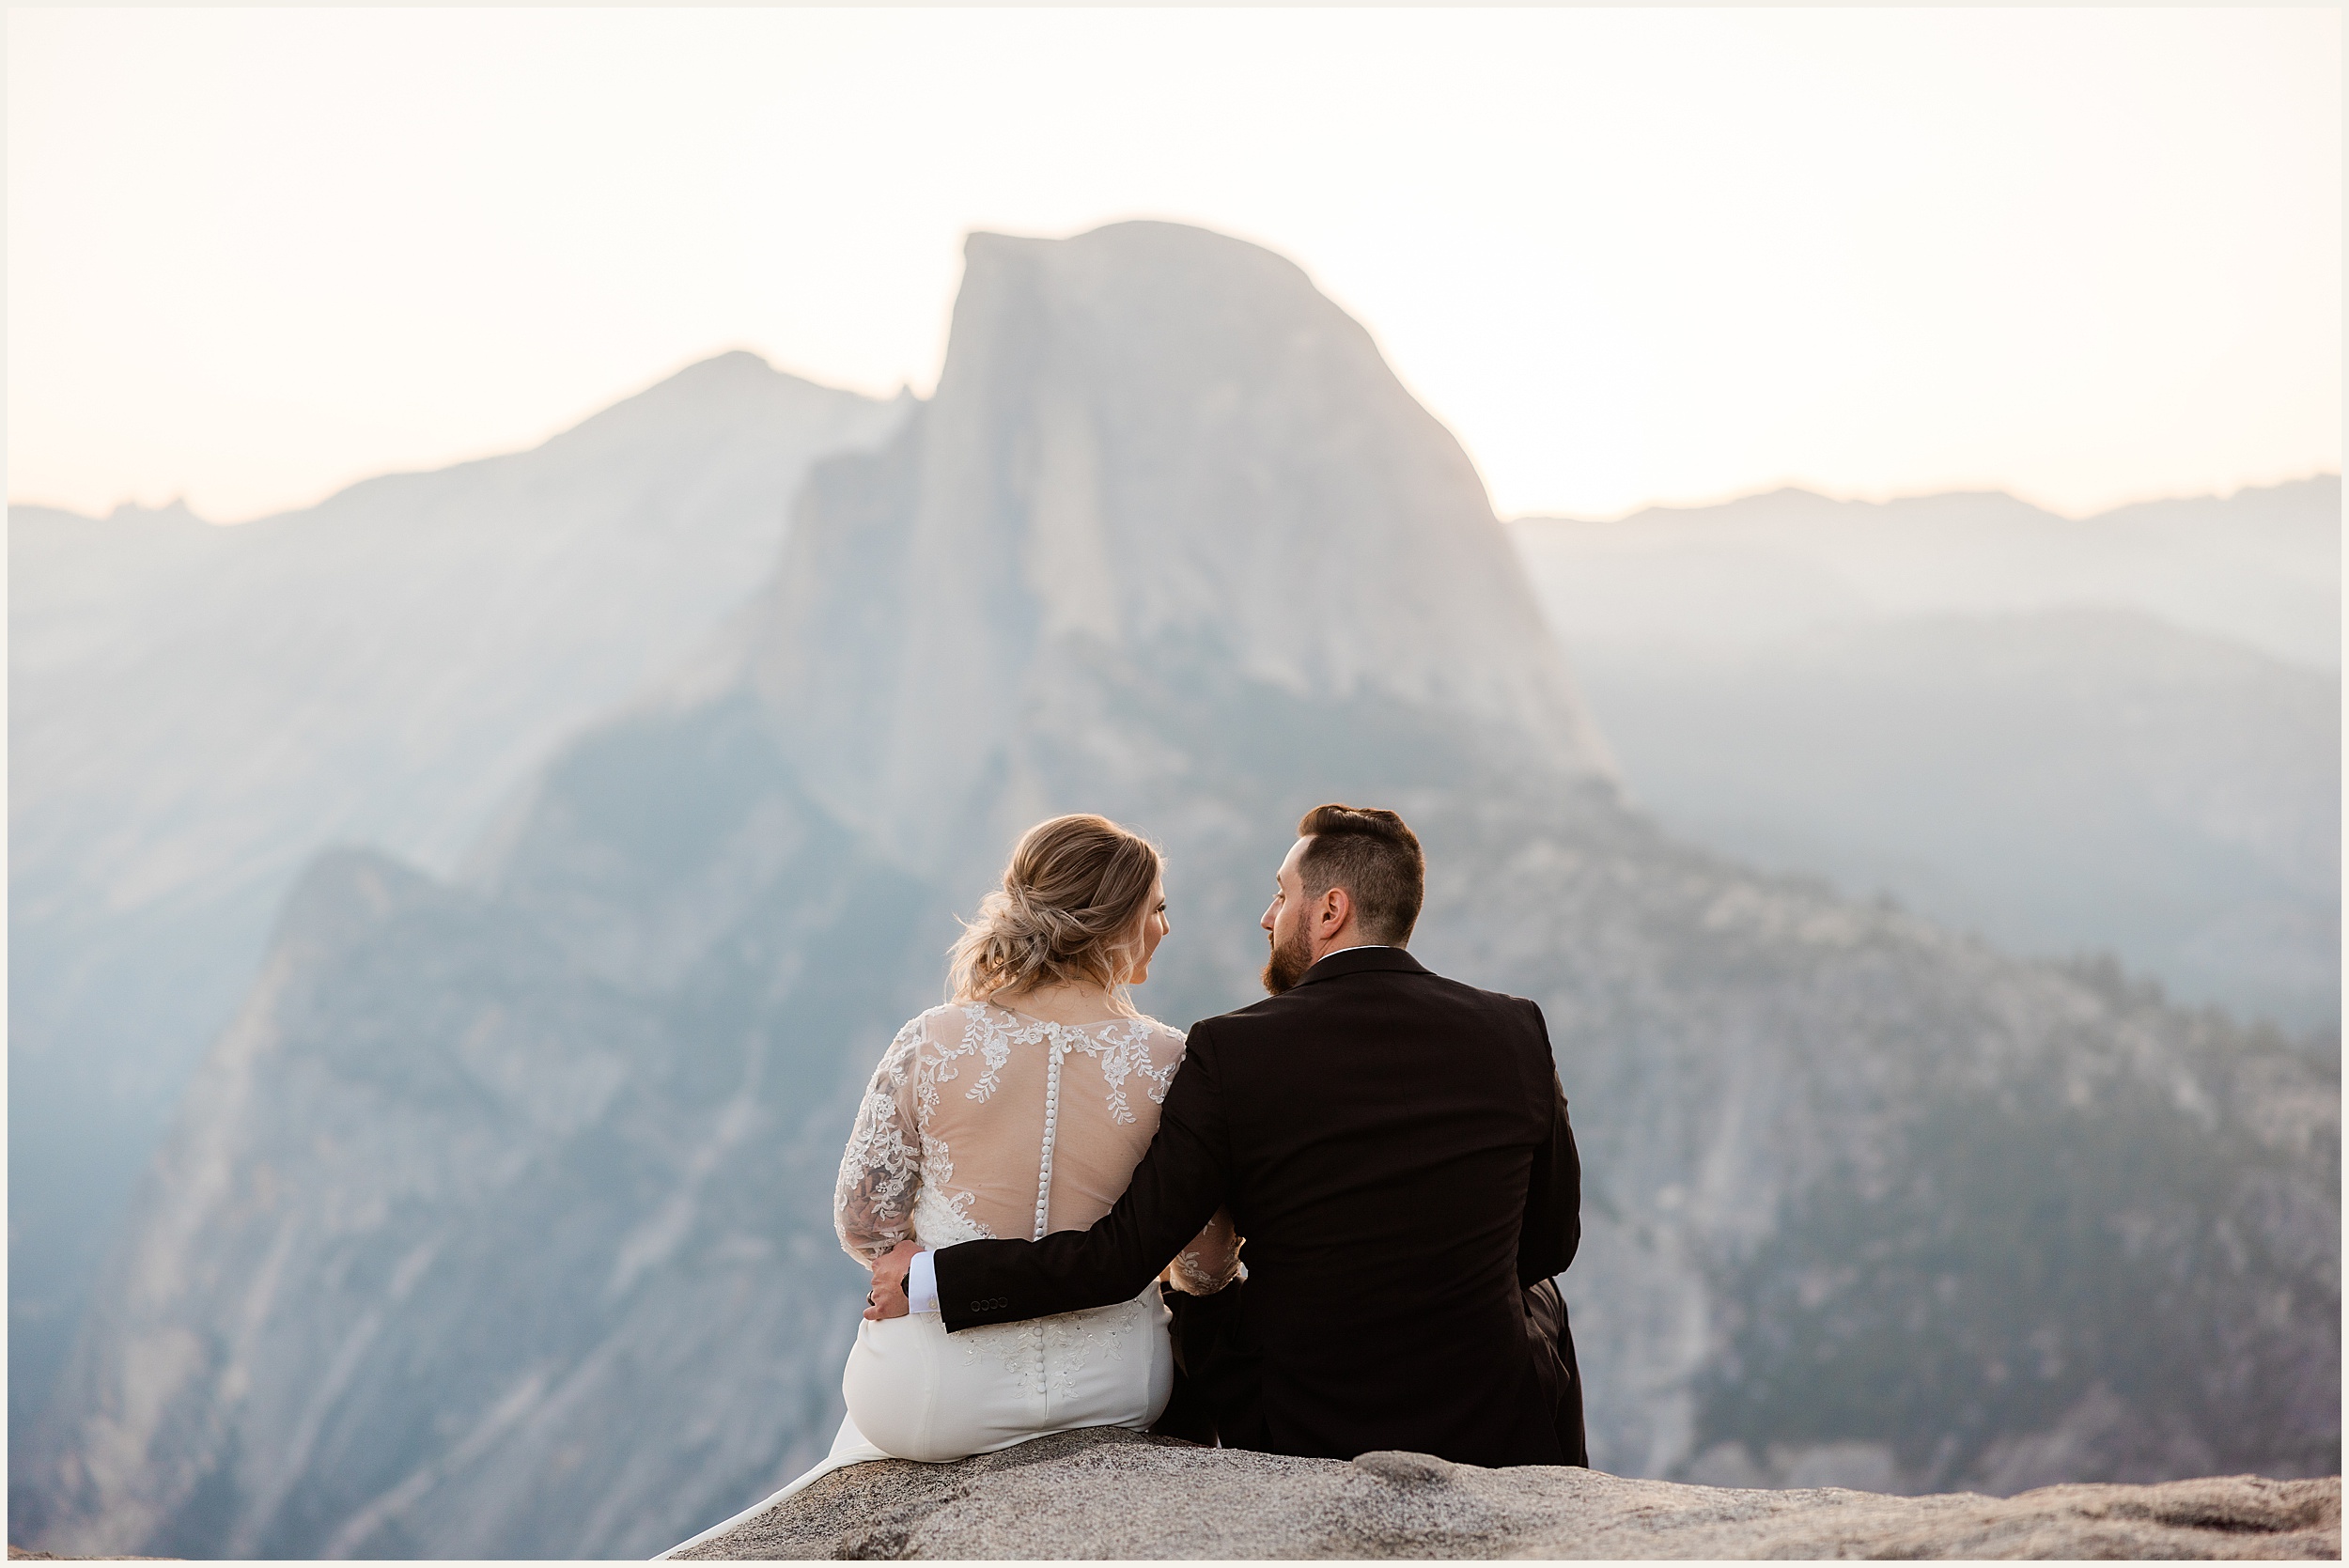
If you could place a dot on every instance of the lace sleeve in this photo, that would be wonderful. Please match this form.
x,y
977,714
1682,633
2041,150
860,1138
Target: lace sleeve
x,y
872,1209
1210,1261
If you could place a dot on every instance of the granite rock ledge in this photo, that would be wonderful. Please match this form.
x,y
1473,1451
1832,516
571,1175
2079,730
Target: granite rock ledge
x,y
1106,1493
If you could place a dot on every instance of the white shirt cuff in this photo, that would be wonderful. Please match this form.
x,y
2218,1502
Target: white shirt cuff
x,y
922,1285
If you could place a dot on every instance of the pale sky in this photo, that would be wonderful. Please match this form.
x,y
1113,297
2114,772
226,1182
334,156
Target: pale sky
x,y
2086,256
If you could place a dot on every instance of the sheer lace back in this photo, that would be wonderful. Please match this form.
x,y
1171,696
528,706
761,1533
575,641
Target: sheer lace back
x,y
982,1122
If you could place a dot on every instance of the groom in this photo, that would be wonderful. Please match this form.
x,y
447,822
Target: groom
x,y
1395,1147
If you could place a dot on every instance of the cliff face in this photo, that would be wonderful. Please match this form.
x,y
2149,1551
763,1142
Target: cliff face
x,y
1156,459
435,1275
498,1223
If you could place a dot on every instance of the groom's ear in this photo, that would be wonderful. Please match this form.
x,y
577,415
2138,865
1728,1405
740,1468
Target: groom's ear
x,y
1336,905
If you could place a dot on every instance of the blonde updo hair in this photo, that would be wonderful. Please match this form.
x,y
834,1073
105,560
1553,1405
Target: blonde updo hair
x,y
1070,909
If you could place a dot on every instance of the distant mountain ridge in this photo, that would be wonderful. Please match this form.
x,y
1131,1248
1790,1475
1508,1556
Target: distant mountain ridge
x,y
497,1224
2261,567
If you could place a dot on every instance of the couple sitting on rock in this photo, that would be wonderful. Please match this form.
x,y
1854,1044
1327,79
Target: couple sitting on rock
x,y
1034,1159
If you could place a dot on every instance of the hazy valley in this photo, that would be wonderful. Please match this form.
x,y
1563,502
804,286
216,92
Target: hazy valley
x,y
2116,735
194,711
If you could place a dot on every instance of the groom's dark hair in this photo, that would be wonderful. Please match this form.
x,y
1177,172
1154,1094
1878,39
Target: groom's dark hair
x,y
1372,856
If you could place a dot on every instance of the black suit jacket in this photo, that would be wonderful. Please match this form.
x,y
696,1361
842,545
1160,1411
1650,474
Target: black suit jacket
x,y
1395,1147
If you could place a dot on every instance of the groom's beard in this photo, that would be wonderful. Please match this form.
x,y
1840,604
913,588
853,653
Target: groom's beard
x,y
1289,962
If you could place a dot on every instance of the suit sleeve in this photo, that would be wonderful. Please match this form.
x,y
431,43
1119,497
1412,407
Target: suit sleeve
x,y
1553,1202
1176,1190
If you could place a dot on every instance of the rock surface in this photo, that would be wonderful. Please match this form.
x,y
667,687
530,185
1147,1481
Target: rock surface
x,y
1119,1495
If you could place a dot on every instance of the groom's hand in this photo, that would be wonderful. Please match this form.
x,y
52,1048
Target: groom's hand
x,y
888,1296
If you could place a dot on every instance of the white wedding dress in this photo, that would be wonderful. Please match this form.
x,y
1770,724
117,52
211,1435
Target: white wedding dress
x,y
982,1122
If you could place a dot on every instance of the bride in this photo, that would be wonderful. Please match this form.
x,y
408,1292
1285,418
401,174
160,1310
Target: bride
x,y
1018,1109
